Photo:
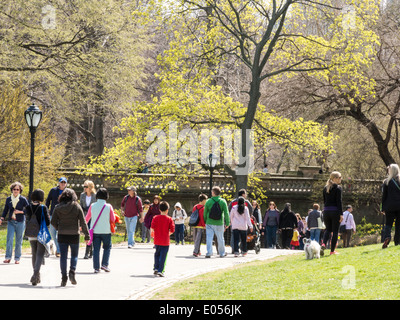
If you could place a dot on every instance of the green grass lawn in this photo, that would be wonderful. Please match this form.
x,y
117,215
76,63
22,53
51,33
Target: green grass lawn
x,y
366,272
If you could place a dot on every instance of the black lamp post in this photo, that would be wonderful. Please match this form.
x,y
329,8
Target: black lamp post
x,y
33,116
212,162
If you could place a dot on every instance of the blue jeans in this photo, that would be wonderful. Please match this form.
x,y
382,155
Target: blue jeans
x,y
64,256
17,228
179,232
160,257
98,238
219,233
130,229
314,234
53,233
271,236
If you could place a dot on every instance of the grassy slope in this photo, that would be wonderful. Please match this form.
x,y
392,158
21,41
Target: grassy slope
x,y
366,272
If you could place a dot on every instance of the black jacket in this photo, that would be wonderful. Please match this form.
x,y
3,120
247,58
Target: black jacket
x,y
333,198
287,219
391,196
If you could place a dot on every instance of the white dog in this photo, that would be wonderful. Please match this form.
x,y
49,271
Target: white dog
x,y
312,249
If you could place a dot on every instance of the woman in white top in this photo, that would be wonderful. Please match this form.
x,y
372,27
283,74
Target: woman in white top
x,y
350,226
88,196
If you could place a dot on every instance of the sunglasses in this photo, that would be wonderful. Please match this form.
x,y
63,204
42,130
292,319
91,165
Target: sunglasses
x,y
62,182
16,189
85,186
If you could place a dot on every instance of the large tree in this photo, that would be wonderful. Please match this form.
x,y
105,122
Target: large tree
x,y
80,59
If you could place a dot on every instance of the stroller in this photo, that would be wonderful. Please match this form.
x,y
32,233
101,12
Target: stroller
x,y
253,238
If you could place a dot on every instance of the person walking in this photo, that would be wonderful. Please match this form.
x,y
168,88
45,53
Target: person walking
x,y
103,215
198,230
87,197
35,212
154,210
179,216
270,225
257,214
240,222
51,202
333,213
132,209
162,226
215,215
14,212
348,225
145,231
391,204
287,223
314,222
241,193
68,219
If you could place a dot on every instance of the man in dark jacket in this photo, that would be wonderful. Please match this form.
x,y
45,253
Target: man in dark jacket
x,y
51,202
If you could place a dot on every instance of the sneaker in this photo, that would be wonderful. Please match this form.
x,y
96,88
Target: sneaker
x,y
96,271
224,255
105,268
161,274
334,252
208,256
244,254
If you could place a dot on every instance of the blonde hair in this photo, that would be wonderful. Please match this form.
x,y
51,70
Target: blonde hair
x,y
90,185
330,183
393,173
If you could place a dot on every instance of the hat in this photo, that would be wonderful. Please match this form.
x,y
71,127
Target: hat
x,y
178,204
132,188
62,179
349,207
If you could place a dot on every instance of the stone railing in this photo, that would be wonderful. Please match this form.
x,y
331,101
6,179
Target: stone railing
x,y
273,184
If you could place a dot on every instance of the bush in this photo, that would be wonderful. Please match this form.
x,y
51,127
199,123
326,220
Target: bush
x,y
365,228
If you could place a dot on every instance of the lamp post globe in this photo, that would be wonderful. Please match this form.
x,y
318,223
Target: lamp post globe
x,y
33,116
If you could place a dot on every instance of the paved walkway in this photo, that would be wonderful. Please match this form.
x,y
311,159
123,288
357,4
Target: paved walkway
x,y
131,276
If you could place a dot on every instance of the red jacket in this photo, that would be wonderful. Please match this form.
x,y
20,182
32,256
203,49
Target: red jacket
x,y
201,214
163,226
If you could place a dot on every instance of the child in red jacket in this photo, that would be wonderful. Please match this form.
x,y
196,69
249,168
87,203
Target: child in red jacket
x,y
162,227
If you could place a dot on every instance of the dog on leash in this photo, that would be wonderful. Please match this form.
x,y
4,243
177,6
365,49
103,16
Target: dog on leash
x,y
312,249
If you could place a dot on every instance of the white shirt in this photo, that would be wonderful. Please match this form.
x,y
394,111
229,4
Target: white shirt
x,y
350,224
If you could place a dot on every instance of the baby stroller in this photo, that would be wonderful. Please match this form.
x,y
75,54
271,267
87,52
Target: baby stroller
x,y
253,239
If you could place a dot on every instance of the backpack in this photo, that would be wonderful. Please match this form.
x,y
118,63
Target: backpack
x,y
194,217
32,225
215,212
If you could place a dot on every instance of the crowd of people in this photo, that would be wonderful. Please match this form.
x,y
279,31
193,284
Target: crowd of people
x,y
68,216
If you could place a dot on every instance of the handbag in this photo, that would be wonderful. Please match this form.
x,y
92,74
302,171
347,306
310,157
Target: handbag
x,y
321,224
91,229
342,228
44,235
